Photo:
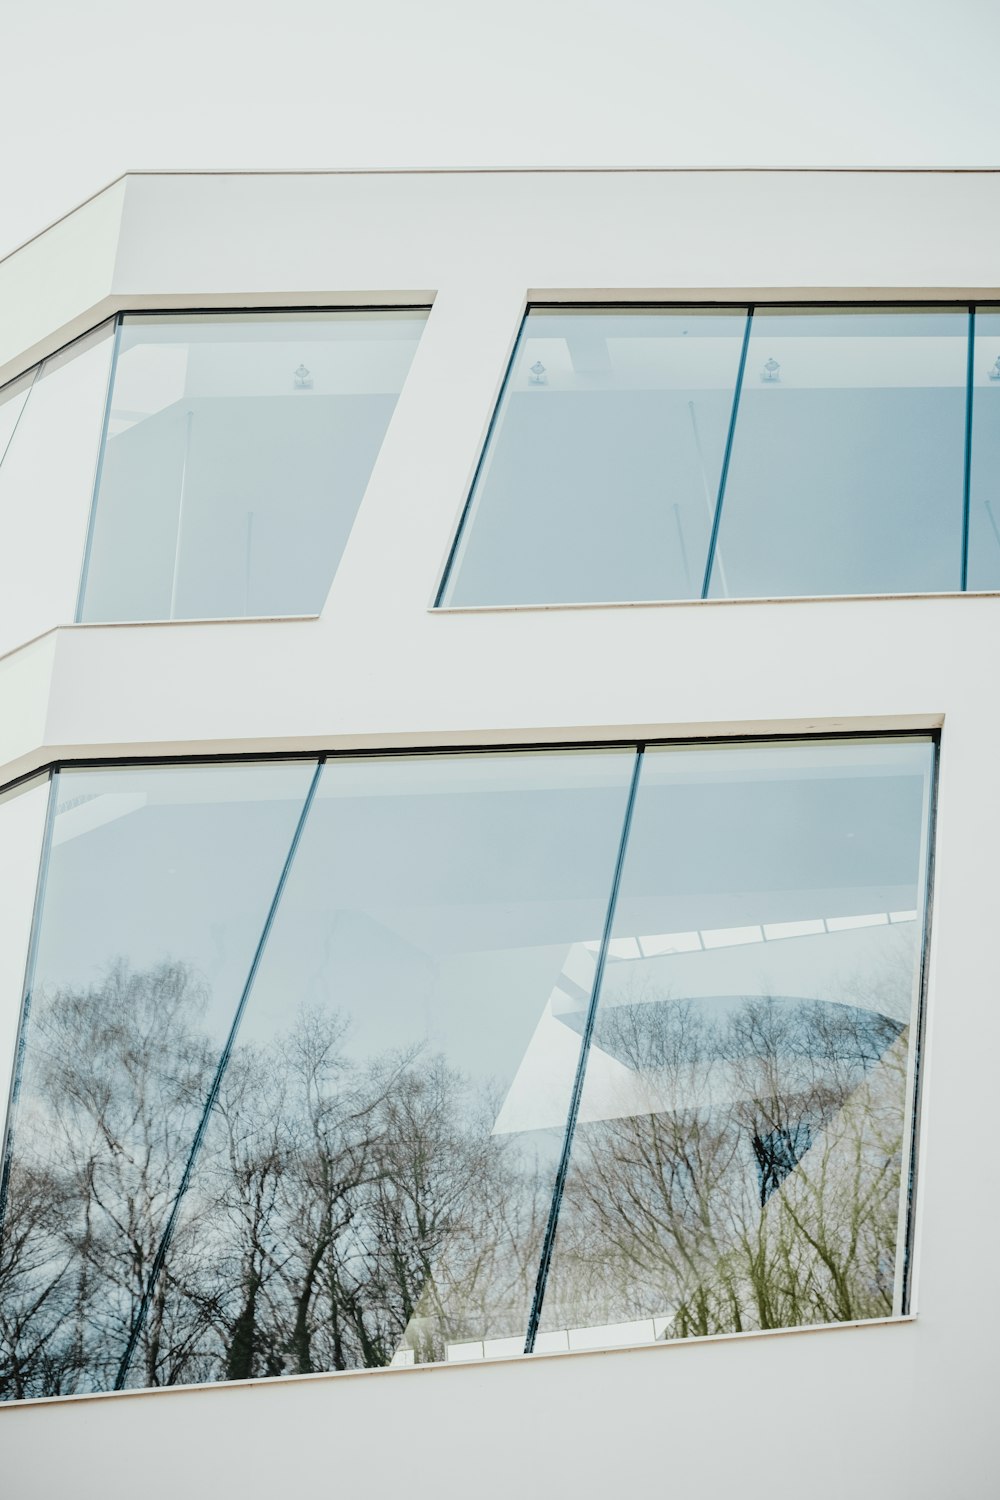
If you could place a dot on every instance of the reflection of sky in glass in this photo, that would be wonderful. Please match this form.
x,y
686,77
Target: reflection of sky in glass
x,y
166,864
434,900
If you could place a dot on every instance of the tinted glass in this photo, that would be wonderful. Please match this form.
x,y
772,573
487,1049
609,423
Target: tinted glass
x,y
158,885
846,475
377,1178
238,451
744,1125
984,510
601,476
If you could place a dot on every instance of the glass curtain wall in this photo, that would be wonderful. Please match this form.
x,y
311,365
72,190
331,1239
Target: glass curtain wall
x,y
742,1154
647,454
320,1062
238,449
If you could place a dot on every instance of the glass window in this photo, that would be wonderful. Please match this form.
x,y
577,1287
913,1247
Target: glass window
x,y
50,433
302,1046
239,447
377,1177
846,475
743,1137
158,885
601,476
22,828
984,508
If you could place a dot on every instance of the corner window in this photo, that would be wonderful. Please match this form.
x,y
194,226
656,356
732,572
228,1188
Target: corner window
x,y
388,1060
238,450
686,453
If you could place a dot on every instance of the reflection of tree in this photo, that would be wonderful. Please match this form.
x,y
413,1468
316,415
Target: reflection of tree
x,y
340,1207
759,1185
116,1076
345,1208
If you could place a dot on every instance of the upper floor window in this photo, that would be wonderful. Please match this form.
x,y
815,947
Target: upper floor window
x,y
238,449
683,453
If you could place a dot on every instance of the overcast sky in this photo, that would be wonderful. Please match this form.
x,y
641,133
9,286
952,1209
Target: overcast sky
x,y
91,88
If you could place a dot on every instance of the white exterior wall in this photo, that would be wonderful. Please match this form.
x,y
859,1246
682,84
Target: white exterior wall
x,y
902,1408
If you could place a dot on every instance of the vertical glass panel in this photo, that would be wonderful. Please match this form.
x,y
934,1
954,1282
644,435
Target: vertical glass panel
x,y
158,885
46,486
601,476
377,1177
984,510
22,828
12,400
846,475
744,1125
238,450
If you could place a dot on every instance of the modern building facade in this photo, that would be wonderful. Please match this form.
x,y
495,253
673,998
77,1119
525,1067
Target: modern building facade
x,y
497,831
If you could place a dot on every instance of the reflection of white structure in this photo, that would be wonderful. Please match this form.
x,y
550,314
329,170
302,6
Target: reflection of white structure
x,y
375,668
808,959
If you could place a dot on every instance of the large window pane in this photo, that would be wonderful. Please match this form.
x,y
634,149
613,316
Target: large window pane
x,y
744,1126
377,1178
50,433
846,474
158,886
984,510
238,451
601,476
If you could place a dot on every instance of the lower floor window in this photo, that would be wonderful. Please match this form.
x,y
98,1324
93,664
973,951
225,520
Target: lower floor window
x,y
374,1061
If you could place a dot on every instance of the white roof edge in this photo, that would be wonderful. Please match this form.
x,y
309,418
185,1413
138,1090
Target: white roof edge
x,y
439,171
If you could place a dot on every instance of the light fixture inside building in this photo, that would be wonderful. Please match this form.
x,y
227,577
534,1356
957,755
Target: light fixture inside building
x,y
538,374
771,370
303,379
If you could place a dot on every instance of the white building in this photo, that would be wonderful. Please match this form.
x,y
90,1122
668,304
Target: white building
x,y
497,669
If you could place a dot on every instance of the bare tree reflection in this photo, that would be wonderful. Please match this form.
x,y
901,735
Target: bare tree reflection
x,y
751,1180
340,1208
347,1209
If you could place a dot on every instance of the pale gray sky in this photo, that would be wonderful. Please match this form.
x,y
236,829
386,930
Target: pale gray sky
x,y
93,87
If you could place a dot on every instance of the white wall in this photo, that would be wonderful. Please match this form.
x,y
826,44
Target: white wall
x,y
902,1409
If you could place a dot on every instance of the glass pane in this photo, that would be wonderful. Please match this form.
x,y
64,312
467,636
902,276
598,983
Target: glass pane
x,y
239,448
46,486
22,829
12,402
158,885
601,476
984,510
377,1177
846,474
744,1125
